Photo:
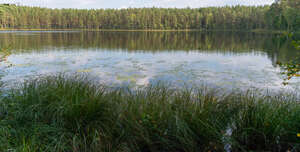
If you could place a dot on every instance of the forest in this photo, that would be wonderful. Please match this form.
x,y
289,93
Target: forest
x,y
282,15
79,83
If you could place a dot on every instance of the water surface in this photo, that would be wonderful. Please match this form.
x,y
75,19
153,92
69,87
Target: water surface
x,y
229,60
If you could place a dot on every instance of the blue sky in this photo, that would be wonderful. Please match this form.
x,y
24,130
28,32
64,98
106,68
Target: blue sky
x,y
134,3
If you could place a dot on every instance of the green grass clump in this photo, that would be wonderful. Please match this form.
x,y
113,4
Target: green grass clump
x,y
267,123
72,113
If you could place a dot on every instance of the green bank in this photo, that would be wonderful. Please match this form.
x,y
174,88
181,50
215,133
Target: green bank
x,y
71,113
282,15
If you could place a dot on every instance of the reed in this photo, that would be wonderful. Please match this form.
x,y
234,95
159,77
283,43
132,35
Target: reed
x,y
72,113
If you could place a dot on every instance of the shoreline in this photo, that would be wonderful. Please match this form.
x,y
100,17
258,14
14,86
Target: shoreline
x,y
146,30
70,112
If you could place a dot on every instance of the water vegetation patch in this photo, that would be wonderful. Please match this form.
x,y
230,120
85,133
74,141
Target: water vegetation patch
x,y
4,54
292,68
84,70
71,113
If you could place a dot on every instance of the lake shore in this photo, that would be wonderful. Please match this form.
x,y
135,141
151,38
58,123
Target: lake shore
x,y
147,30
70,113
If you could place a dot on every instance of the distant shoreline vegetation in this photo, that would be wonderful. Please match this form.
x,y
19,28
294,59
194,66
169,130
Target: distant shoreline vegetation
x,y
132,18
148,30
213,18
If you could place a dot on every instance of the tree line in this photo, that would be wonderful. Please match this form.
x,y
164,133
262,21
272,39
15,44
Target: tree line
x,y
238,17
284,15
281,15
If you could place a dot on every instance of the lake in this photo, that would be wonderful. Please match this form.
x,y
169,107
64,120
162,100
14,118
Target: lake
x,y
228,60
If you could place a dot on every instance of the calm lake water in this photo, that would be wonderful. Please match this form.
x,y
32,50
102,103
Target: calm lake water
x,y
220,59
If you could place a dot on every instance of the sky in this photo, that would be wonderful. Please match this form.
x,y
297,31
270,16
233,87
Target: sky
x,y
135,3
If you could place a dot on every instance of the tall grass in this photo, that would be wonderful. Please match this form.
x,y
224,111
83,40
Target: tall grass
x,y
71,113
267,123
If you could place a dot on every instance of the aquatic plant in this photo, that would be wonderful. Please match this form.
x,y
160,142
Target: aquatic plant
x,y
291,68
4,53
71,113
268,123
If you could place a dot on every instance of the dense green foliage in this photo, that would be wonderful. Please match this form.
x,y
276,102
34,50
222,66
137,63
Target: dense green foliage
x,y
284,15
237,17
292,67
63,113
